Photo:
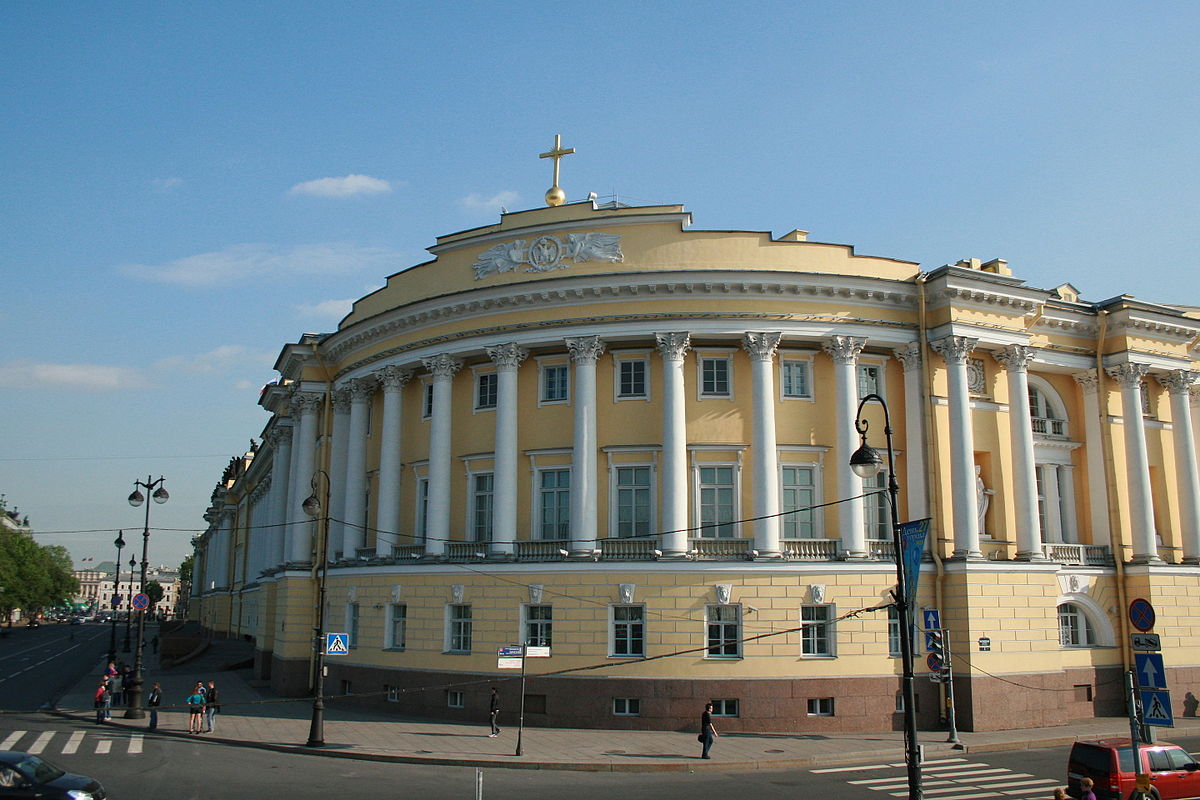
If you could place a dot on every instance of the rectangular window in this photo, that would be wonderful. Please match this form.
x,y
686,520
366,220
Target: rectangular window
x,y
724,631
539,621
458,638
554,383
393,693
893,623
725,708
397,630
628,631
796,378
486,387
876,518
427,404
482,488
633,501
797,499
868,380
627,706
820,706
717,509
554,504
422,507
352,623
817,637
454,699
714,376
631,378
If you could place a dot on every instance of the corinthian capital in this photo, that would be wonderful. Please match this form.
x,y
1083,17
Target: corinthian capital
x,y
280,435
507,356
392,377
307,402
1178,381
955,349
341,400
1088,380
909,356
673,346
761,346
442,365
1014,358
585,349
844,349
362,389
1128,375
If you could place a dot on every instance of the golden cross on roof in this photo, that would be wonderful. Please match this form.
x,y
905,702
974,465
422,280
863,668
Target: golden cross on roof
x,y
556,196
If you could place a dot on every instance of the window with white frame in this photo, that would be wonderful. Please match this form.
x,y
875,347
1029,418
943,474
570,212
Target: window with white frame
x,y
483,485
633,497
427,401
724,631
1054,501
714,376
554,504
796,501
628,631
397,626
725,707
539,624
870,380
1074,627
458,628
554,383
627,706
816,640
1047,416
820,706
631,378
486,390
795,378
718,503
352,624
422,507
454,699
876,516
893,630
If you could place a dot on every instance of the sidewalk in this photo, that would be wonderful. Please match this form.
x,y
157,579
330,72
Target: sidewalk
x,y
282,724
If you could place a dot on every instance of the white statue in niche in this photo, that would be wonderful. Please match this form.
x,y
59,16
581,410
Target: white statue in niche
x,y
983,499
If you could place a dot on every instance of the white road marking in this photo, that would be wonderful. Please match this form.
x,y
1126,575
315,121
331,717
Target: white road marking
x,y
73,743
135,744
103,746
12,739
850,769
40,743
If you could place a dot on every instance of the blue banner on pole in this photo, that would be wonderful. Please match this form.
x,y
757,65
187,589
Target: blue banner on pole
x,y
912,544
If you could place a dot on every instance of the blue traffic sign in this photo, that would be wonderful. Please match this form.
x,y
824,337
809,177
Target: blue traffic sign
x,y
141,601
933,620
1141,614
1150,671
934,662
509,651
1156,708
337,644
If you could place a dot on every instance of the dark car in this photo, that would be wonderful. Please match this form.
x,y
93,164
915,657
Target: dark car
x,y
76,620
1174,774
26,775
33,623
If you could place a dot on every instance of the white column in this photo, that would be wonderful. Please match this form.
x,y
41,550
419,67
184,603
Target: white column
x,y
281,472
1097,476
844,351
337,470
1187,480
673,347
354,532
1015,360
224,531
955,350
762,347
584,351
1053,500
300,526
393,379
1067,525
1137,462
916,491
507,358
437,521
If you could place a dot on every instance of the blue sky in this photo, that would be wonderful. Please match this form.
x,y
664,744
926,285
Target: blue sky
x,y
188,186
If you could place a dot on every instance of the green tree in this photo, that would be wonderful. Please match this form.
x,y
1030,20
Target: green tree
x,y
155,592
34,577
185,569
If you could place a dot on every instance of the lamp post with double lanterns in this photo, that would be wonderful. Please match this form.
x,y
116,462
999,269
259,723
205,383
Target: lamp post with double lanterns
x,y
312,507
126,646
866,463
116,601
159,494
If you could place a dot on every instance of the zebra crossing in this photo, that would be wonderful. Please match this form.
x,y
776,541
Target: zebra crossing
x,y
952,779
71,742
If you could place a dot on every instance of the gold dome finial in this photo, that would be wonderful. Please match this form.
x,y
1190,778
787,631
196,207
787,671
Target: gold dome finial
x,y
555,196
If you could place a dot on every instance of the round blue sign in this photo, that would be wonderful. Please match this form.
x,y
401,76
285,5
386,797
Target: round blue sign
x,y
934,662
1141,614
141,601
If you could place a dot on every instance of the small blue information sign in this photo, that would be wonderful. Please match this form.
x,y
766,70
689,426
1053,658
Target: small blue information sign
x,y
933,620
1141,614
141,601
1156,708
337,644
1151,674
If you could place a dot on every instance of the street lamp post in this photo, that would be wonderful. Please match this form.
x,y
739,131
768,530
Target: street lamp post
x,y
159,494
312,507
125,646
112,636
866,462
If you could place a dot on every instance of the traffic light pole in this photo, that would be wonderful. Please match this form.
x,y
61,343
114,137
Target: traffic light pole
x,y
949,682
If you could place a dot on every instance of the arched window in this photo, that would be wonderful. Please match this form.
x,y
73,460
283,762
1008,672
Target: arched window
x,y
1074,627
1047,412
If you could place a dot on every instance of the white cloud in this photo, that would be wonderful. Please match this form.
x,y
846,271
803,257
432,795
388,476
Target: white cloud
x,y
477,202
326,309
220,359
76,377
166,184
242,262
347,186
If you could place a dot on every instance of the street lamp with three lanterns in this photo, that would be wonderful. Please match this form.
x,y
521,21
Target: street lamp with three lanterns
x,y
158,494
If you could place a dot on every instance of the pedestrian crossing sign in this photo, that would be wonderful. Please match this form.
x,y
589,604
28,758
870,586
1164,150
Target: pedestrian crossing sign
x,y
1156,708
337,644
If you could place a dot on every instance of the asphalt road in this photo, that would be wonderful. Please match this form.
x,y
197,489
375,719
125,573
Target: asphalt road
x,y
38,665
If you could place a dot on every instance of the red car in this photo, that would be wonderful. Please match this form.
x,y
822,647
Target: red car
x,y
1174,773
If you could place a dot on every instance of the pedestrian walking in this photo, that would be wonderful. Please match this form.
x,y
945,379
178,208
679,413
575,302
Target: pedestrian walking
x,y
154,643
102,701
195,704
212,706
707,731
126,685
494,713
1085,789
153,701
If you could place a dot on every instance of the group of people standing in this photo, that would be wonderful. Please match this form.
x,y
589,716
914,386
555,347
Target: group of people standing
x,y
204,703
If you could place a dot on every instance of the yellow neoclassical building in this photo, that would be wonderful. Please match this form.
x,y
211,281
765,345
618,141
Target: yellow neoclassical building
x,y
591,428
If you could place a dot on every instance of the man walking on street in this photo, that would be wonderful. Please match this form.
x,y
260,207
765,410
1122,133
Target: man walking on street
x,y
494,713
707,731
153,700
211,706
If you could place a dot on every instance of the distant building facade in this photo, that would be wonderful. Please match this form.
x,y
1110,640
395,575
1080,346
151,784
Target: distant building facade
x,y
97,587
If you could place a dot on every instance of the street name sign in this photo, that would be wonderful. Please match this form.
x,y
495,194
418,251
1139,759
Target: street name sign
x,y
508,657
337,644
1145,641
